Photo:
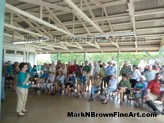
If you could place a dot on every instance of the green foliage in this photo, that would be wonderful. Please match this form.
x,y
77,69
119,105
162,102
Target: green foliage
x,y
132,58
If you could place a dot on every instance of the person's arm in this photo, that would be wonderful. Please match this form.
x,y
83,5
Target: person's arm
x,y
144,86
100,82
129,85
93,81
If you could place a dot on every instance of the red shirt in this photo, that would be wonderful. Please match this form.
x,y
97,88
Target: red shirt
x,y
154,87
73,68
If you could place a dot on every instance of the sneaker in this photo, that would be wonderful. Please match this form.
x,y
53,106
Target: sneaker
x,y
121,103
91,99
21,114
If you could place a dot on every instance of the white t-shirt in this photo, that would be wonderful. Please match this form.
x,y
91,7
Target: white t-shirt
x,y
136,75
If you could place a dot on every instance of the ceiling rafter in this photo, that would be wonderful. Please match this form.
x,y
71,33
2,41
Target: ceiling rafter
x,y
82,15
132,18
36,19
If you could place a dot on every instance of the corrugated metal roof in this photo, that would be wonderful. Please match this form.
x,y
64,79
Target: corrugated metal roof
x,y
148,4
117,9
148,25
122,27
122,20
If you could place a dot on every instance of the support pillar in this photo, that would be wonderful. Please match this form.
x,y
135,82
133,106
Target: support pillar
x,y
2,16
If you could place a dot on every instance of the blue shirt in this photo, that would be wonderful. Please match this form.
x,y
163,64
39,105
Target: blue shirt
x,y
150,75
71,80
20,79
110,70
113,84
141,86
44,76
9,69
33,71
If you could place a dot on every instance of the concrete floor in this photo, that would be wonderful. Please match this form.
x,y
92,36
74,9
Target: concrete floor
x,y
53,109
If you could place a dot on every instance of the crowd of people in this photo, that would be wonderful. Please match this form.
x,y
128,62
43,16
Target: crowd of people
x,y
72,78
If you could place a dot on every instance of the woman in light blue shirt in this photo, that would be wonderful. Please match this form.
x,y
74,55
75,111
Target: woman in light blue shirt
x,y
112,86
22,89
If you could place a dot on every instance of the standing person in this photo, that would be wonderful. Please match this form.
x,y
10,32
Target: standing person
x,y
87,69
103,74
3,84
52,68
135,77
78,71
126,69
15,72
64,70
22,89
110,70
96,69
150,74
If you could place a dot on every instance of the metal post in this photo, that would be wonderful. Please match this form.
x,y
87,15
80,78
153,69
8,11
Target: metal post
x,y
2,15
57,55
85,55
118,69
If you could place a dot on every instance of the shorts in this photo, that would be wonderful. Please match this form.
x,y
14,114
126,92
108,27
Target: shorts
x,y
70,84
154,97
127,91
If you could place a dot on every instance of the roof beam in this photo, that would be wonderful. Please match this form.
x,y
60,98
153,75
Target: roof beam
x,y
55,17
50,5
69,44
132,18
95,44
28,22
97,3
162,43
57,46
113,49
106,14
107,4
36,19
111,17
22,30
37,25
83,15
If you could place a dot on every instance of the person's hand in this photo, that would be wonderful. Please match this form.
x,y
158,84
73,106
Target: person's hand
x,y
147,96
28,75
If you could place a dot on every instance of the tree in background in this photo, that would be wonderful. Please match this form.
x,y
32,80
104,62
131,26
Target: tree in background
x,y
132,58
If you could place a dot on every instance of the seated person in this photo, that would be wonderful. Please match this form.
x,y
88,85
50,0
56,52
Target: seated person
x,y
123,88
112,86
70,82
59,82
81,84
139,89
42,78
153,93
50,82
96,86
